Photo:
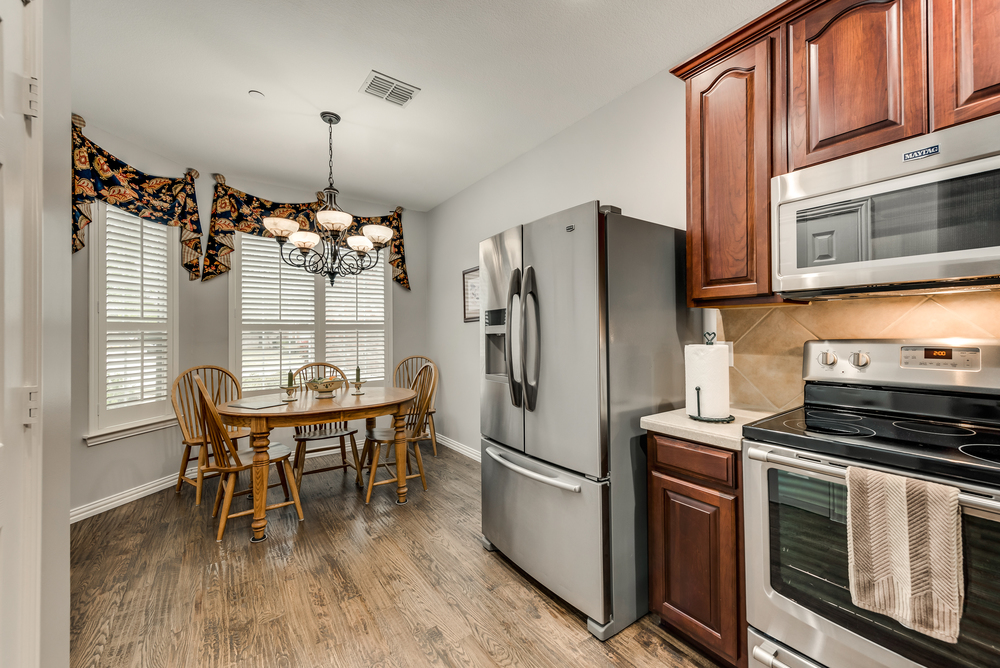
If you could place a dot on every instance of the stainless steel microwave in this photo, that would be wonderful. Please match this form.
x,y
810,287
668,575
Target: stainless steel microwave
x,y
918,215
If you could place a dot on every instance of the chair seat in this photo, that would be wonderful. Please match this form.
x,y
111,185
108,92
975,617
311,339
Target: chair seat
x,y
274,451
386,434
322,434
233,434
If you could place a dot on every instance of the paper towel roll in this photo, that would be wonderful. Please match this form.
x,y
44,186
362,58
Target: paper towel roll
x,y
707,367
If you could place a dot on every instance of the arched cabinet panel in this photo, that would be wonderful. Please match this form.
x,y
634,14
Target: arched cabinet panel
x,y
857,78
729,170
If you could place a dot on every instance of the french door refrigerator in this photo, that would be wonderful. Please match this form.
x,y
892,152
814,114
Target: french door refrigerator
x,y
582,332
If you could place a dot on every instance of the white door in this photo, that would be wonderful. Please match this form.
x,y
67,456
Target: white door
x,y
18,525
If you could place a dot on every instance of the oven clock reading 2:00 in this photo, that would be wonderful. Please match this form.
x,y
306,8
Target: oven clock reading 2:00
x,y
953,359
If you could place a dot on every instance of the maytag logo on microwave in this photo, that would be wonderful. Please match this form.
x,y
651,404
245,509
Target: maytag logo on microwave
x,y
922,153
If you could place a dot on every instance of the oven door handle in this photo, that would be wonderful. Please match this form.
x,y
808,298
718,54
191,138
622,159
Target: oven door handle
x,y
768,659
964,498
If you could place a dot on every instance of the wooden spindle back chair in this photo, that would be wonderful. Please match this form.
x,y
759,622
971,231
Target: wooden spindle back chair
x,y
221,386
424,384
404,375
228,461
321,432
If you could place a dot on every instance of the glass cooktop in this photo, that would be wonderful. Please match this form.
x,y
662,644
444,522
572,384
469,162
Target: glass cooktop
x,y
952,449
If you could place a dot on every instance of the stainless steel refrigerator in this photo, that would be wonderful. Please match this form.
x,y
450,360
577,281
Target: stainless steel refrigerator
x,y
582,331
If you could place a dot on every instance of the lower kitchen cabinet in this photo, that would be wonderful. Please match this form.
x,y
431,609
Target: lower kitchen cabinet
x,y
695,555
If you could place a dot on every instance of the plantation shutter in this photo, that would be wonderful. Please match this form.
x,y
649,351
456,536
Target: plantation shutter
x,y
355,323
136,324
278,314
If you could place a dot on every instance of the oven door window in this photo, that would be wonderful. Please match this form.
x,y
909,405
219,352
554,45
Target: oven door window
x,y
808,564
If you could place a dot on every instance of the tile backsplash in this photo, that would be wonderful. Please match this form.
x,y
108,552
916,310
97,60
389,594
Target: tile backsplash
x,y
767,342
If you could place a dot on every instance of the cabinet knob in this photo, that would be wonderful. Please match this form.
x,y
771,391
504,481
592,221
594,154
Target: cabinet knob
x,y
828,358
860,360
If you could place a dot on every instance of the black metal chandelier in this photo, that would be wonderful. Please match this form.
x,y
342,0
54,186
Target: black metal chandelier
x,y
329,252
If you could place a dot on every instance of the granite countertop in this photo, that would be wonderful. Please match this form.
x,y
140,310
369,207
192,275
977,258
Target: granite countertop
x,y
679,425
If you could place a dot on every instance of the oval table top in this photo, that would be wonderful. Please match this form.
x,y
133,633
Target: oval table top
x,y
374,400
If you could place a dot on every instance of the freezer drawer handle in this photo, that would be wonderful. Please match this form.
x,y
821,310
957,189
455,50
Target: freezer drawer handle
x,y
555,482
769,660
515,387
530,289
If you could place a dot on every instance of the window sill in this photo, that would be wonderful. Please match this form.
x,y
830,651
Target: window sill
x,y
129,430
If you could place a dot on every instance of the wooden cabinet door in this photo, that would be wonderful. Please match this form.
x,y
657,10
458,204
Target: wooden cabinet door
x,y
857,73
965,60
694,561
729,173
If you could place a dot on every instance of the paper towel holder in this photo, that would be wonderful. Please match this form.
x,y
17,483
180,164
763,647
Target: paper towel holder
x,y
723,420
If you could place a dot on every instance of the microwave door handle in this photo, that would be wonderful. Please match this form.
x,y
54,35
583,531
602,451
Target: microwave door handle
x,y
513,288
529,290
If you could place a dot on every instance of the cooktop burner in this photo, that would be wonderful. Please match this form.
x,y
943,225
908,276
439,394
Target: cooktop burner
x,y
937,447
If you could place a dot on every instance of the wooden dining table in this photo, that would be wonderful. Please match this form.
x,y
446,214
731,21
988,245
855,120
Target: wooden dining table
x,y
307,410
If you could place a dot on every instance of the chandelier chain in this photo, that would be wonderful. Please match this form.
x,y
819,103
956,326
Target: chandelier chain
x,y
330,125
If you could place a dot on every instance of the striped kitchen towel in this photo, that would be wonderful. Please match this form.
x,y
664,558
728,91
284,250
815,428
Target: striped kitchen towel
x,y
904,547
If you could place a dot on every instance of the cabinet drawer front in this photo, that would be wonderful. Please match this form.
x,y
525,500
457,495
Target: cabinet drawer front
x,y
694,460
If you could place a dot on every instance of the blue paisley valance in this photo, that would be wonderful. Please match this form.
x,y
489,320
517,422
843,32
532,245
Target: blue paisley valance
x,y
98,175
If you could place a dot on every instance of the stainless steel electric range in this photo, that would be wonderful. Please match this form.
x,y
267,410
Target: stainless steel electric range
x,y
927,409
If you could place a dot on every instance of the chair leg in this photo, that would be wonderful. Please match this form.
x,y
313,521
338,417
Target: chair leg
x,y
420,463
372,471
300,461
357,463
434,436
184,466
295,489
200,480
226,503
343,454
218,493
283,480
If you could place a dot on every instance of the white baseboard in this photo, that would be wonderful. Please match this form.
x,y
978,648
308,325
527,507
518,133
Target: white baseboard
x,y
460,448
121,498
129,495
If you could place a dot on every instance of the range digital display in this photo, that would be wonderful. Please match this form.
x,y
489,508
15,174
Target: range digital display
x,y
937,353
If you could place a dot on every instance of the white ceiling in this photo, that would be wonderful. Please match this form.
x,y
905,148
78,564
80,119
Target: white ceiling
x,y
498,77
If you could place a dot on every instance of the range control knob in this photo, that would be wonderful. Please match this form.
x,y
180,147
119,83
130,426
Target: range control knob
x,y
860,360
828,358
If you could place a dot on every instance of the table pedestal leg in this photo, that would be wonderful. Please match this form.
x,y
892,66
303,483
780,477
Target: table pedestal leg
x,y
261,466
399,422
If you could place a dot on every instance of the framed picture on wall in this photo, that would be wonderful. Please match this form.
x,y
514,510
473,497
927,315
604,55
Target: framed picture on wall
x,y
470,294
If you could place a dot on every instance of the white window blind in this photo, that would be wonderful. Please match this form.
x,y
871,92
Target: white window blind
x,y
355,323
278,311
133,312
289,317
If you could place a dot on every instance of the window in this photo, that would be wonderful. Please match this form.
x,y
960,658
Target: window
x,y
285,317
133,330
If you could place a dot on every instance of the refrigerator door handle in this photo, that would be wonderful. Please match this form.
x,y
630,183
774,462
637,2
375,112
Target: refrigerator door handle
x,y
530,289
514,288
554,482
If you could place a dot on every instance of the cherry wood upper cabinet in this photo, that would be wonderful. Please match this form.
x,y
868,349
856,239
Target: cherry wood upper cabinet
x,y
857,73
694,562
730,117
965,60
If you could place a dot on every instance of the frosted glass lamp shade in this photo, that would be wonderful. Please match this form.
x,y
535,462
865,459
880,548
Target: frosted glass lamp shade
x,y
304,240
360,244
280,227
331,219
378,234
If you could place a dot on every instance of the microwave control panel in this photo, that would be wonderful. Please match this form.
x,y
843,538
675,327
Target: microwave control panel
x,y
940,357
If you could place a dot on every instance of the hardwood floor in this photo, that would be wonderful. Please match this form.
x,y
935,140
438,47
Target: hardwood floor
x,y
381,585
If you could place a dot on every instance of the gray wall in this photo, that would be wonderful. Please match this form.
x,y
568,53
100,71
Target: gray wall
x,y
629,153
203,307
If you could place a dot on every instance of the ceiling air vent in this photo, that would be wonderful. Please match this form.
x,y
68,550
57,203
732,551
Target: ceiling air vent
x,y
389,89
